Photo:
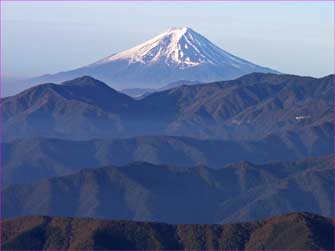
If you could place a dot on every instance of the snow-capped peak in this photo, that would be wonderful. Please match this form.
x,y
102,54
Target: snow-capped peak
x,y
179,47
178,53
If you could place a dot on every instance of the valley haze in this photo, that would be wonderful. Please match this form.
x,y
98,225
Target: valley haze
x,y
175,143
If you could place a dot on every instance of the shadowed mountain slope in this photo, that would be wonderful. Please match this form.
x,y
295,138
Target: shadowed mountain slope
x,y
147,192
296,231
81,107
248,108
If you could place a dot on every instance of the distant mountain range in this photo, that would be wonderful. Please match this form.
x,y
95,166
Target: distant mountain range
x,y
177,54
195,135
249,108
141,191
295,231
140,92
31,160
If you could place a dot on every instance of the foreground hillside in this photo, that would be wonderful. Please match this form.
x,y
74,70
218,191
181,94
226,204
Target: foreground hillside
x,y
147,192
295,231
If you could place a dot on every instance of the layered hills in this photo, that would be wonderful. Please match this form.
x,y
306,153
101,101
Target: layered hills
x,y
31,160
141,191
207,149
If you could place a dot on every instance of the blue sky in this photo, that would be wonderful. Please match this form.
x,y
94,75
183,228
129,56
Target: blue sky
x,y
39,38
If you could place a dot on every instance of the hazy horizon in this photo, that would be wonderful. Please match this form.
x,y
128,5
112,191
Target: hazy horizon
x,y
40,38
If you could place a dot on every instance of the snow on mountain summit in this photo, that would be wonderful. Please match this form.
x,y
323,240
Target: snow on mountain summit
x,y
174,55
182,47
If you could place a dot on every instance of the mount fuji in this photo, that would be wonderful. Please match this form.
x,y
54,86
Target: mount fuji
x,y
177,54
